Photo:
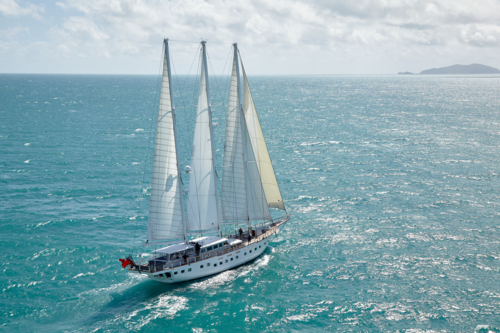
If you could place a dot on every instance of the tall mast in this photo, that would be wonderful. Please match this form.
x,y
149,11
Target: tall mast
x,y
211,134
167,55
242,117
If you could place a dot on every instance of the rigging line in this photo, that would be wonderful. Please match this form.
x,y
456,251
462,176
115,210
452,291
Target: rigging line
x,y
156,107
188,41
184,133
192,106
218,87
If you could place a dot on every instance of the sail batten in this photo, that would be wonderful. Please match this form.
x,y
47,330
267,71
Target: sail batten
x,y
166,215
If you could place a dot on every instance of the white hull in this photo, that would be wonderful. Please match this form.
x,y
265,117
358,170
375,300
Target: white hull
x,y
214,264
217,264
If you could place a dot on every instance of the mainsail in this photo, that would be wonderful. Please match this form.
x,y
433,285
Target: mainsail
x,y
202,207
166,214
261,154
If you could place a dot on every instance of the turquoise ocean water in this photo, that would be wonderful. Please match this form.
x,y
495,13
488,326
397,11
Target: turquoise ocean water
x,y
392,183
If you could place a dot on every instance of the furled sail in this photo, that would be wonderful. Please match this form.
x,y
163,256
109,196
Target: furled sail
x,y
202,205
165,207
233,189
261,154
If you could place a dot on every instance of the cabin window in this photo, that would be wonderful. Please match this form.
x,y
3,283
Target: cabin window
x,y
155,276
182,271
236,257
168,275
231,259
210,248
259,246
203,250
220,263
175,273
246,253
201,266
216,246
215,265
189,269
226,261
250,251
208,264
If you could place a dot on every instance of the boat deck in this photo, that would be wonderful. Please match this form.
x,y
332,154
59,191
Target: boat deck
x,y
158,263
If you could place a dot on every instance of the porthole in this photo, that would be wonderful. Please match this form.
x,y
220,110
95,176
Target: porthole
x,y
189,269
182,271
259,246
220,263
215,265
245,253
236,257
226,261
250,251
175,273
207,264
231,259
201,266
169,275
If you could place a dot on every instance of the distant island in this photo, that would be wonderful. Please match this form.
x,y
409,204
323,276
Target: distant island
x,y
459,69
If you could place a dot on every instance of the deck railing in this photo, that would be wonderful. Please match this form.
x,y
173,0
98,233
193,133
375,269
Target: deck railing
x,y
188,261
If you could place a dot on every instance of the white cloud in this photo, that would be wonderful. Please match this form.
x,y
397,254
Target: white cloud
x,y
14,32
316,36
12,8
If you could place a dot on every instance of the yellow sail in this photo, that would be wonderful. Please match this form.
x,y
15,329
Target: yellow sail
x,y
266,171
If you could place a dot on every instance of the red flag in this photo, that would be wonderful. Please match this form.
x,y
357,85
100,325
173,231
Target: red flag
x,y
125,262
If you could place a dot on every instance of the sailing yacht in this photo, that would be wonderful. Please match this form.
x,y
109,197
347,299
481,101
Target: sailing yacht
x,y
187,232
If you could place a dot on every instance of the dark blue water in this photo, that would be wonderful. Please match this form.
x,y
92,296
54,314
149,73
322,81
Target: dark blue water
x,y
393,183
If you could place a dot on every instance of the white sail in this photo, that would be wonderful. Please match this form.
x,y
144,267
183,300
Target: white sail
x,y
233,190
165,207
261,154
202,206
257,203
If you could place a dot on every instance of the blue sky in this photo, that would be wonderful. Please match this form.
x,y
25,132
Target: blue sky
x,y
275,37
